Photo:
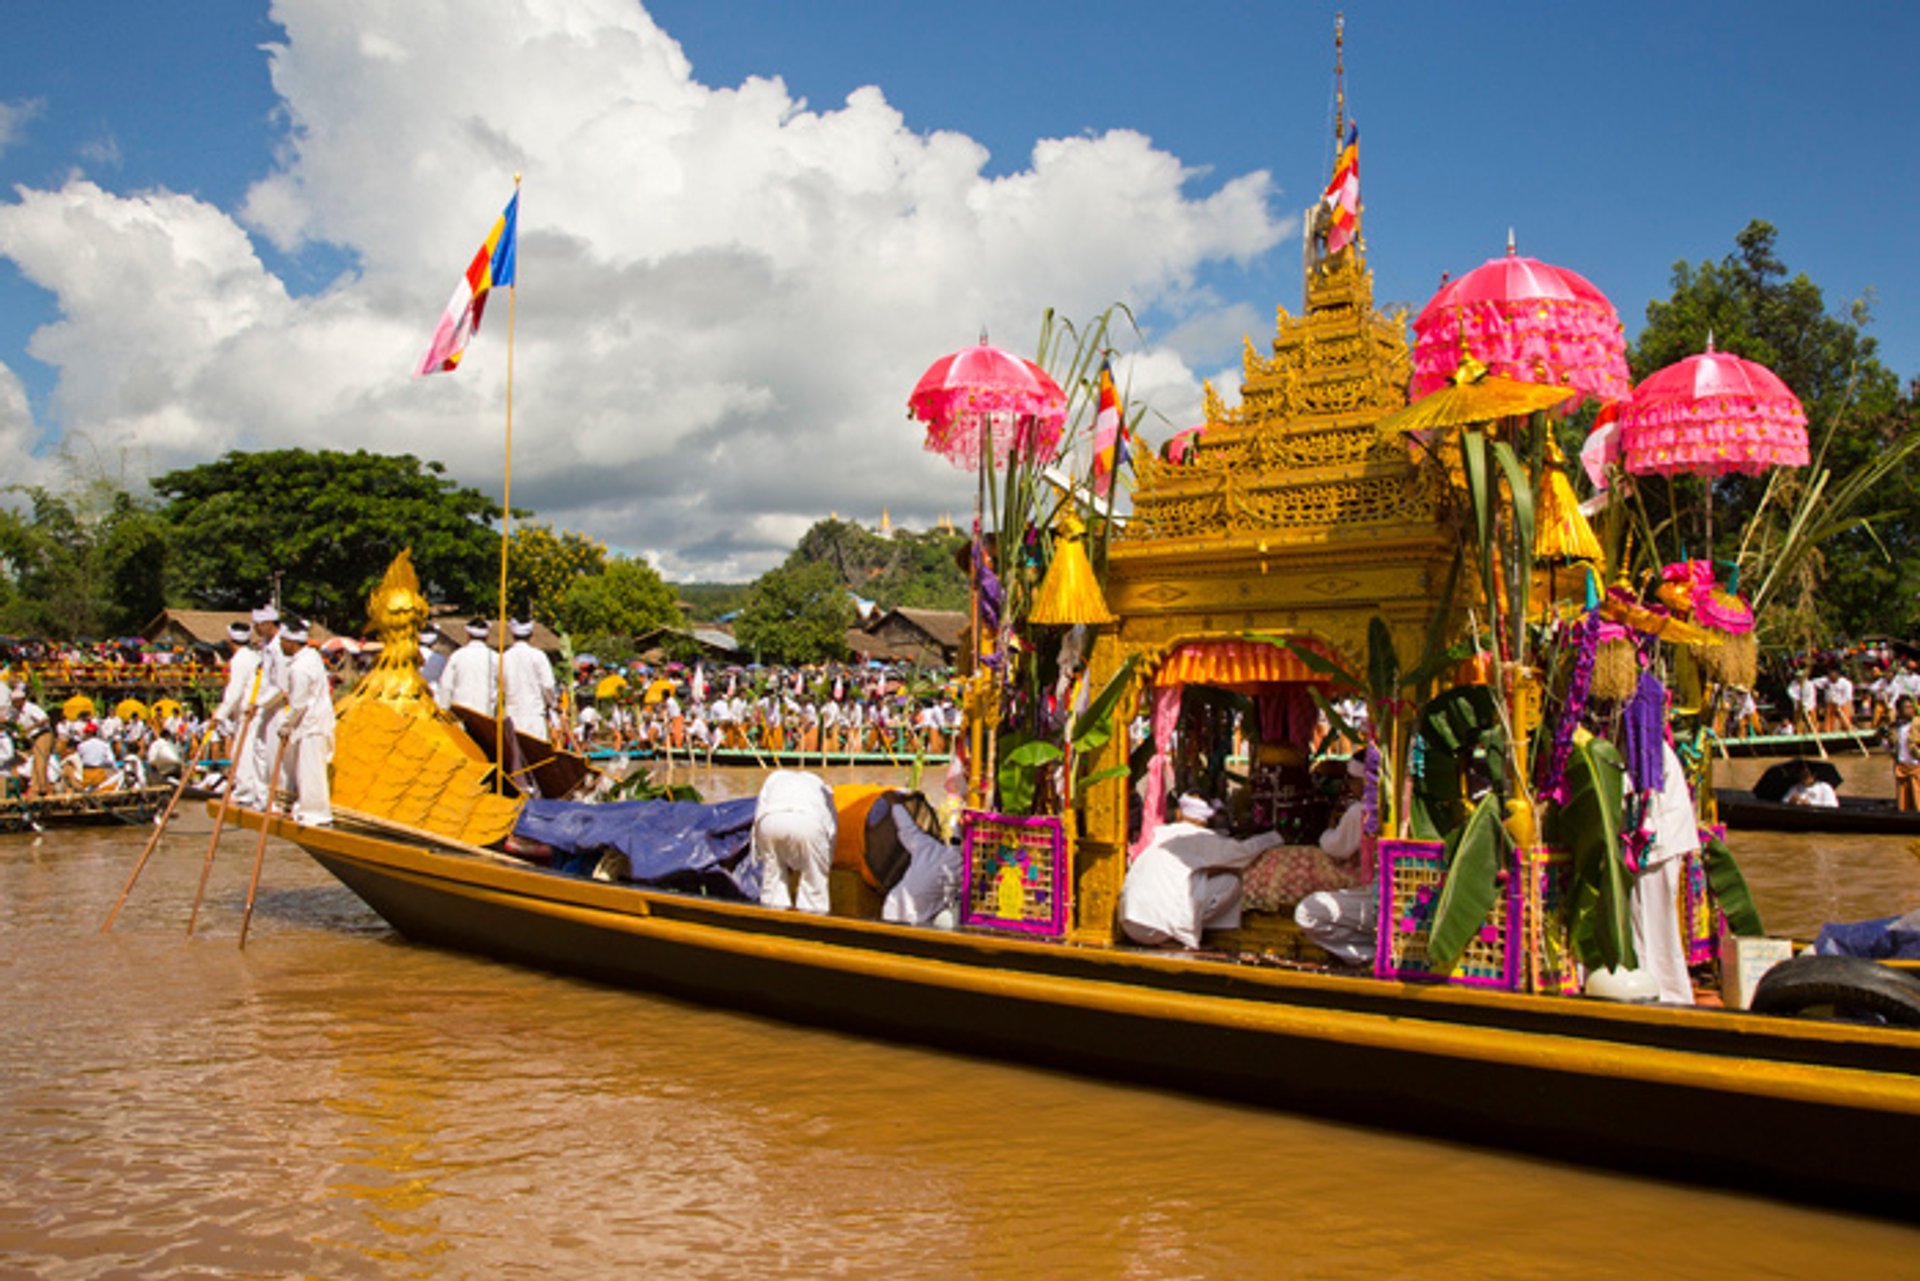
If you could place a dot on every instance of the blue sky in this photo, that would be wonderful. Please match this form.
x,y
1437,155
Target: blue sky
x,y
1614,139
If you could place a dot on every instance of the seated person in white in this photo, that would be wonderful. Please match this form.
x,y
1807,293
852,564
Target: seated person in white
x,y
1344,921
793,829
1187,879
931,884
1808,790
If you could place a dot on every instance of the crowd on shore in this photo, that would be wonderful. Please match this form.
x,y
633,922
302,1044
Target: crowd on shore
x,y
55,738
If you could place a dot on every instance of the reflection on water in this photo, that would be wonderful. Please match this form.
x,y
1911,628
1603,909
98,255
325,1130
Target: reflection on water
x,y
336,1102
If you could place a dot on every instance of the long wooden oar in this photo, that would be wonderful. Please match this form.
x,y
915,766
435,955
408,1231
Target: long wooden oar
x,y
260,849
226,804
160,825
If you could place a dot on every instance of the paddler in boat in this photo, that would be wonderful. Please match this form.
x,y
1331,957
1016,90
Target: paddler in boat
x,y
1187,879
1810,789
33,729
243,691
306,728
530,689
1906,754
469,676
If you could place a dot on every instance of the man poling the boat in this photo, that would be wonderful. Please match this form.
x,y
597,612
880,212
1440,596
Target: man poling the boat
x,y
306,728
34,728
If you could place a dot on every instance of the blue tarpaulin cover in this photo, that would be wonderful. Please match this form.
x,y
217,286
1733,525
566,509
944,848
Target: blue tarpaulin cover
x,y
1887,938
676,845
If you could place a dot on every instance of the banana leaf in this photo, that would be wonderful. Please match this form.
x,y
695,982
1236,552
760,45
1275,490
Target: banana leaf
x,y
1093,728
1452,725
1476,853
1589,827
1730,890
1018,770
1517,558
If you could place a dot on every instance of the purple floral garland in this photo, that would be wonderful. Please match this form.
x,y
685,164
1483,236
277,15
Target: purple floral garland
x,y
1552,784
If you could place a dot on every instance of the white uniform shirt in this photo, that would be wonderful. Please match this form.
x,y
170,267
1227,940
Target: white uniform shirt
x,y
530,689
241,691
469,679
1159,899
309,696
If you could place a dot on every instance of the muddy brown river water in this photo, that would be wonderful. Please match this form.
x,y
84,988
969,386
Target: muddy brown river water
x,y
336,1102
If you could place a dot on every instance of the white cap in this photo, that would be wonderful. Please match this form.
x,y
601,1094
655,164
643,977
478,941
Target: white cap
x,y
429,638
520,630
476,628
294,631
1195,809
266,614
238,632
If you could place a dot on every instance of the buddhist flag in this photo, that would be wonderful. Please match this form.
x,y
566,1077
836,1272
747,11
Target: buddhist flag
x,y
1110,446
491,268
1343,195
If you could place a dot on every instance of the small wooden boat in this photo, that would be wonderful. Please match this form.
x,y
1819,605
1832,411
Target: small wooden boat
x,y
1796,1108
764,758
81,809
1742,809
1839,743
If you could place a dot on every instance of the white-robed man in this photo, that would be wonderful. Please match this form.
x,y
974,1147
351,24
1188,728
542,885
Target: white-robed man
x,y
1187,879
931,883
247,688
307,728
471,676
1654,903
432,661
531,691
794,824
273,681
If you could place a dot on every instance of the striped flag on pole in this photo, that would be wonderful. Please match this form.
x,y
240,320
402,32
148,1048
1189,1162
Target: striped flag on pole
x,y
1110,445
1342,196
491,268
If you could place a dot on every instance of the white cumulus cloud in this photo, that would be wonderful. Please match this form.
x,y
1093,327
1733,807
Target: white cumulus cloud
x,y
724,294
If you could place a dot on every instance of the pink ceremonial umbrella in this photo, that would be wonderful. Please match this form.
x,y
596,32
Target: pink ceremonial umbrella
x,y
983,389
1523,319
1711,414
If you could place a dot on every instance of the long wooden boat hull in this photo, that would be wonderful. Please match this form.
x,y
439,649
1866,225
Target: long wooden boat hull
x,y
83,809
1801,1109
734,756
1738,808
1840,743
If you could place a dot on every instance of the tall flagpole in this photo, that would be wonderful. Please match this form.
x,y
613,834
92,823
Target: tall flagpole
x,y
506,527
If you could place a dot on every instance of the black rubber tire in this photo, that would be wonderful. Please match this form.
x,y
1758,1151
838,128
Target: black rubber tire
x,y
1839,987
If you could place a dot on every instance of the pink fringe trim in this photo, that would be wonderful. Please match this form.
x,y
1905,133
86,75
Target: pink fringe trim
x,y
1573,344
1713,435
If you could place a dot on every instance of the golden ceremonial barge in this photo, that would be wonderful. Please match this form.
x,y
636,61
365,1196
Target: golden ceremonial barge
x,y
1306,543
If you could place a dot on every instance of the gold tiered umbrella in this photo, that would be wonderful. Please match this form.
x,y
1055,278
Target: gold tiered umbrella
x,y
1473,396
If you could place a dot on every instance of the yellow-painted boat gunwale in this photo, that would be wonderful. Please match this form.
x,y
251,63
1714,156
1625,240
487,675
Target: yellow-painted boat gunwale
x,y
1784,1105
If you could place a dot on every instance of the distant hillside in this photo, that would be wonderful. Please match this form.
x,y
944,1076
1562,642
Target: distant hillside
x,y
916,569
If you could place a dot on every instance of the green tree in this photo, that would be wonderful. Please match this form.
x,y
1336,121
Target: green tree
x,y
325,525
543,566
626,598
1749,305
796,614
90,561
